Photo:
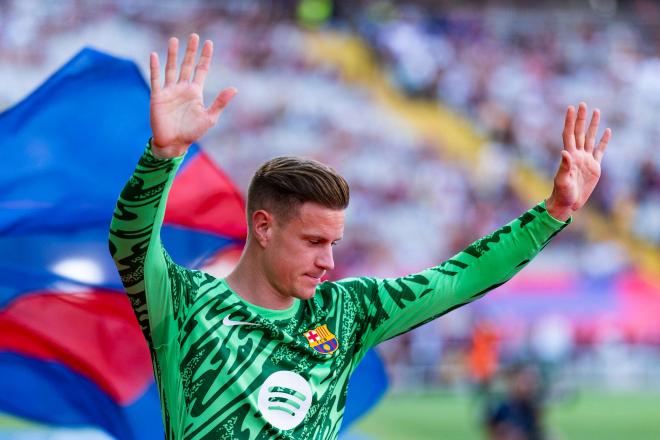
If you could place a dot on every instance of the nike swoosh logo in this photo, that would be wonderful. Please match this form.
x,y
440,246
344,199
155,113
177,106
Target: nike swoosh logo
x,y
230,322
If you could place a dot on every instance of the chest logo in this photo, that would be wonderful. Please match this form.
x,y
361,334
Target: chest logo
x,y
284,399
231,323
322,340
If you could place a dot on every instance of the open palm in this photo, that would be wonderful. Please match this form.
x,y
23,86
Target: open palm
x,y
579,170
178,115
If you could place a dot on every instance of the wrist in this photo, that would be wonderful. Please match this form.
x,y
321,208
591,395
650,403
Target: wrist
x,y
166,152
557,211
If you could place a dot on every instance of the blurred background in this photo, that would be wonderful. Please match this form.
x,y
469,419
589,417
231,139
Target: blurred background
x,y
445,117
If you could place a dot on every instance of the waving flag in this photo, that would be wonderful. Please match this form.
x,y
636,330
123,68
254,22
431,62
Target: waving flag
x,y
71,352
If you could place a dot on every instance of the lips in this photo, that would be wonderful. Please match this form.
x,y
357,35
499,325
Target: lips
x,y
316,277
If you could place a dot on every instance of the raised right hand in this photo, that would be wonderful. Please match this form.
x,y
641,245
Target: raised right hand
x,y
178,115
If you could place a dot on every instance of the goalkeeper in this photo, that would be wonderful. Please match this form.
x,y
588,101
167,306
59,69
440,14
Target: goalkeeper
x,y
266,353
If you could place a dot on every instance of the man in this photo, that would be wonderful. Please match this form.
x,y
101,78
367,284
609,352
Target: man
x,y
518,415
267,351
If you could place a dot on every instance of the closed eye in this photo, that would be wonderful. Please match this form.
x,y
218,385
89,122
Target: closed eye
x,y
319,241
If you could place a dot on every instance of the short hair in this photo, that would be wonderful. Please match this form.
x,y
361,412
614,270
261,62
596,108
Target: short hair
x,y
283,184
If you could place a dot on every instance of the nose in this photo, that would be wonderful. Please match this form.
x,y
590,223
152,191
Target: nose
x,y
325,259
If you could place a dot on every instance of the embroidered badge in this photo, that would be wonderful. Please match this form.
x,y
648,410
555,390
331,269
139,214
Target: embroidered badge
x,y
322,340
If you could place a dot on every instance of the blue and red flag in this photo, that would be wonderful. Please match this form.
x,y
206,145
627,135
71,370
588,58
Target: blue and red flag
x,y
71,352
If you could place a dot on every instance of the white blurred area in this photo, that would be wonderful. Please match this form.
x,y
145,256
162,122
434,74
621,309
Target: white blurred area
x,y
84,270
55,434
511,73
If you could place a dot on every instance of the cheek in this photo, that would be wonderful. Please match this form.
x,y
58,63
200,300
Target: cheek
x,y
295,261
287,258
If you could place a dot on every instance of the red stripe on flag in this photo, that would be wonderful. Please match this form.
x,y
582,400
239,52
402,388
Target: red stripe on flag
x,y
95,334
202,197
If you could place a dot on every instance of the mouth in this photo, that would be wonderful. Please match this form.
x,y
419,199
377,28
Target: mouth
x,y
315,278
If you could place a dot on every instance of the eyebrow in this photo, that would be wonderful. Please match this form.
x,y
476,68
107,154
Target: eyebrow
x,y
320,238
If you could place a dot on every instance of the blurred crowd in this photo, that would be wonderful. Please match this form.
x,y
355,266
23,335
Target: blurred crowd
x,y
411,208
514,71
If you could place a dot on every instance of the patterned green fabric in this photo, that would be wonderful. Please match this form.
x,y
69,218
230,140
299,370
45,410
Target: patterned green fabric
x,y
227,369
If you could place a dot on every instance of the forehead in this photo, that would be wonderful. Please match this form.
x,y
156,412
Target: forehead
x,y
314,219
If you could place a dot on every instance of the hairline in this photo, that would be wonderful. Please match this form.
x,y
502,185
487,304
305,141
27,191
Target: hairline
x,y
283,219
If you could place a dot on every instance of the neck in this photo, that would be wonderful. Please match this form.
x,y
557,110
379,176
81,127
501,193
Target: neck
x,y
249,281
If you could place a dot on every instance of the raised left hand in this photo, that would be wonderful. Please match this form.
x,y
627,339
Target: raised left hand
x,y
579,170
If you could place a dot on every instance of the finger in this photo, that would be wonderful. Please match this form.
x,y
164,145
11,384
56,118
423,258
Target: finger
x,y
204,63
221,102
590,141
579,125
154,67
602,145
170,66
189,58
569,128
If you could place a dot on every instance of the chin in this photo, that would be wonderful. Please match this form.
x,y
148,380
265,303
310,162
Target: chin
x,y
305,294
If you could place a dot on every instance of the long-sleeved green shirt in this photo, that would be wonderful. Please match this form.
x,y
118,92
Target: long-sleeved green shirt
x,y
228,369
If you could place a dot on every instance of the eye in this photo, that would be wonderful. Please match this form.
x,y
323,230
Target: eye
x,y
312,241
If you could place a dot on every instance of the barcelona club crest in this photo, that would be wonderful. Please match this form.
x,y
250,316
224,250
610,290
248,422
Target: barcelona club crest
x,y
322,340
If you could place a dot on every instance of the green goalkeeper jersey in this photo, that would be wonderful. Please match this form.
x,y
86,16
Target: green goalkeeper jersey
x,y
228,369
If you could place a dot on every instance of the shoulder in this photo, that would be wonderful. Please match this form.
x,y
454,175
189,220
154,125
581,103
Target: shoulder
x,y
351,285
346,291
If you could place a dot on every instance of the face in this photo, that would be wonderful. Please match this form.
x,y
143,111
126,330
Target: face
x,y
298,251
525,383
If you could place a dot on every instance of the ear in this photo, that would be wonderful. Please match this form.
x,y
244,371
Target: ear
x,y
262,226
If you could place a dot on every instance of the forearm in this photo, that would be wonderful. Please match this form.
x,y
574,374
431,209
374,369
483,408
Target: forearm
x,y
139,213
494,259
134,238
404,303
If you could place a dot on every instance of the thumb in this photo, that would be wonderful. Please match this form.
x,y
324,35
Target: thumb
x,y
566,161
221,102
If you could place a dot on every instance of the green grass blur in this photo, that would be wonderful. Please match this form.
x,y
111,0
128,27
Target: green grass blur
x,y
585,416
